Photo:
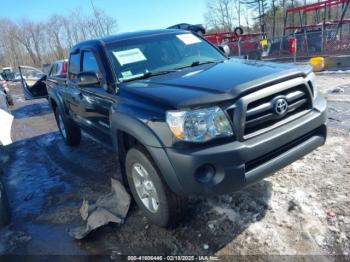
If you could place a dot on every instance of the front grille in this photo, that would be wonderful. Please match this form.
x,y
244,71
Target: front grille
x,y
263,113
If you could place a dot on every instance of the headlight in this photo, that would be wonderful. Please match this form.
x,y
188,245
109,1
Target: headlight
x,y
311,78
199,125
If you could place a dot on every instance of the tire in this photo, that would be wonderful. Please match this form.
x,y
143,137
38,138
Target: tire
x,y
167,208
70,131
238,31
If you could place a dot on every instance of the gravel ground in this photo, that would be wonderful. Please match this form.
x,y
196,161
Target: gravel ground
x,y
303,209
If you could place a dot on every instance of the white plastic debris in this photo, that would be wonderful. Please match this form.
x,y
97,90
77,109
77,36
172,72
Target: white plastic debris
x,y
110,208
5,127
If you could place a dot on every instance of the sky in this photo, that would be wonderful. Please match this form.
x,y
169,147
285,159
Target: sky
x,y
131,15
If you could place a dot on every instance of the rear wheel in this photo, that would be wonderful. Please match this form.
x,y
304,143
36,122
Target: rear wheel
x,y
70,131
159,204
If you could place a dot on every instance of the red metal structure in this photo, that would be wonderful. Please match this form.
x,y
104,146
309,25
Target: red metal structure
x,y
240,44
317,7
325,36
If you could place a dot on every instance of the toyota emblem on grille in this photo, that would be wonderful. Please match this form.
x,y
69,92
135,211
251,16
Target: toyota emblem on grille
x,y
281,106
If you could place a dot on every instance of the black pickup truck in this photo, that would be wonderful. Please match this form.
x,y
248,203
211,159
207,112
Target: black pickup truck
x,y
184,118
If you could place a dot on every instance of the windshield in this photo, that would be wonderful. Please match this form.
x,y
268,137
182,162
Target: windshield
x,y
136,57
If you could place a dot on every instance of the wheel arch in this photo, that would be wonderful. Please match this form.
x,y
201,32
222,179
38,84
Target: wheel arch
x,y
127,131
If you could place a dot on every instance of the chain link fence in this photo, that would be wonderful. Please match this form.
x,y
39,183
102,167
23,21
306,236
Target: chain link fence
x,y
317,42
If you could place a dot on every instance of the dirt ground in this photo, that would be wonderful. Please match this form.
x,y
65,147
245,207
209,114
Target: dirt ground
x,y
303,209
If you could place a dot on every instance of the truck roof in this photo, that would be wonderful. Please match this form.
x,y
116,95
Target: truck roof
x,y
128,35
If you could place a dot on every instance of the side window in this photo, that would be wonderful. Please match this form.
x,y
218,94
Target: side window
x,y
74,66
90,62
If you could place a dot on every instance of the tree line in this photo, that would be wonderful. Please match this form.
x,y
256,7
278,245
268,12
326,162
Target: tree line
x,y
28,42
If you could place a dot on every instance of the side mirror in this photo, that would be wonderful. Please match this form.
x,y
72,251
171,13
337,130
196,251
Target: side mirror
x,y
225,49
88,79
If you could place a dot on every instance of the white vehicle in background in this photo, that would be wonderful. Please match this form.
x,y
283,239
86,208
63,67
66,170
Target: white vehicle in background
x,y
7,69
6,118
6,90
7,73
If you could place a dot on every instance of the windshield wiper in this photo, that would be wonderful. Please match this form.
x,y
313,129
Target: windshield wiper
x,y
197,63
148,74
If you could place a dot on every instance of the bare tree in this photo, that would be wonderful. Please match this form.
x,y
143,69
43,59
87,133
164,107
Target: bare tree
x,y
221,14
54,29
34,43
24,33
101,23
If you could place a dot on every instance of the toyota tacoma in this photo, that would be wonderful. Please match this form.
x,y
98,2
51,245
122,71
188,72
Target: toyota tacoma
x,y
184,118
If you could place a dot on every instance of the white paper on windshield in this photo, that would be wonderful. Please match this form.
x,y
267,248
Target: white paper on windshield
x,y
189,39
129,56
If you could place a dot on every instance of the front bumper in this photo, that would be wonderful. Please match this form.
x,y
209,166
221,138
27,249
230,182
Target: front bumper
x,y
239,164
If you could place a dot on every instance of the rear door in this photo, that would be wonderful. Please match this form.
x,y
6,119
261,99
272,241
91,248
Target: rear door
x,y
33,82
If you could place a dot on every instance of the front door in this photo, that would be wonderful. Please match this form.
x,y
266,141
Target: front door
x,y
33,82
92,103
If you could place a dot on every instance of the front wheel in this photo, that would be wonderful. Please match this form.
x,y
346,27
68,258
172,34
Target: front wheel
x,y
159,204
70,131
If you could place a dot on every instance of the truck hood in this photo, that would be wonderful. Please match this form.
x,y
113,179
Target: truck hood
x,y
212,83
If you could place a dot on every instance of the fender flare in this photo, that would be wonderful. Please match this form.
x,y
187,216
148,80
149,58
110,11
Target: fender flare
x,y
52,96
120,121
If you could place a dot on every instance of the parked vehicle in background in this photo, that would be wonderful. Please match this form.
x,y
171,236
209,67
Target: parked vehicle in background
x,y
3,100
198,29
46,68
184,118
33,82
6,90
17,77
58,68
240,44
7,73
